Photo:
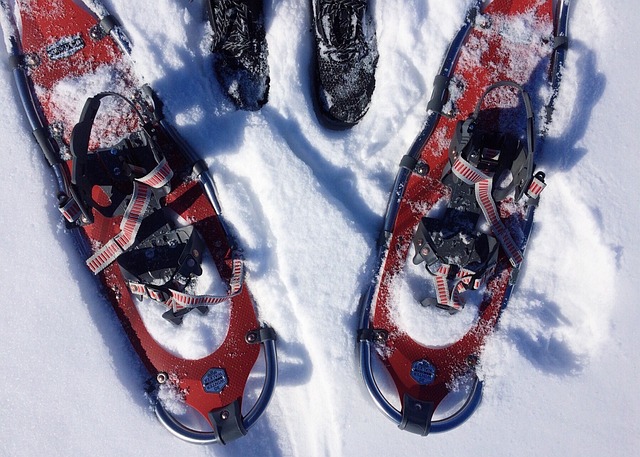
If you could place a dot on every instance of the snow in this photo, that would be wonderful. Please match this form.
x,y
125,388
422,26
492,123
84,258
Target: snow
x,y
307,205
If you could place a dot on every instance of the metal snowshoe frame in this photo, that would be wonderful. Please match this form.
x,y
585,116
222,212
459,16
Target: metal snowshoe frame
x,y
415,415
229,423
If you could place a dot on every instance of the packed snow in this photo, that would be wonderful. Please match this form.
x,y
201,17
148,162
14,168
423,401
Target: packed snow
x,y
306,204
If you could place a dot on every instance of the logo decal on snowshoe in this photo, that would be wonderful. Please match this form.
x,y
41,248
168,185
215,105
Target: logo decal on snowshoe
x,y
423,372
214,380
65,47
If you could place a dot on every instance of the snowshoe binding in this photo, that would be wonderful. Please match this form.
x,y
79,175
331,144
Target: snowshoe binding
x,y
345,61
460,248
240,51
158,254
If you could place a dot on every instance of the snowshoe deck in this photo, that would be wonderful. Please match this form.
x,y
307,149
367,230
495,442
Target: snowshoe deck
x,y
126,182
519,41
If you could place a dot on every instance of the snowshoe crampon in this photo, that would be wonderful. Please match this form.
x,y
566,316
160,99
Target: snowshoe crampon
x,y
460,215
143,210
240,51
346,56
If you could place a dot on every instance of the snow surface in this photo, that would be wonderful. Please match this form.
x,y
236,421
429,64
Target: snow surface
x,y
306,203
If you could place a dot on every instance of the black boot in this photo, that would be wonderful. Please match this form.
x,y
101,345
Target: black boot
x,y
240,51
346,59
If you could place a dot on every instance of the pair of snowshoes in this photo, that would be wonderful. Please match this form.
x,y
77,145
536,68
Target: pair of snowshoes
x,y
143,208
345,59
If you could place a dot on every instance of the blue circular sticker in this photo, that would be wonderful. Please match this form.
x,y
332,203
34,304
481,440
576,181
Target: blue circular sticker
x,y
214,380
423,372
